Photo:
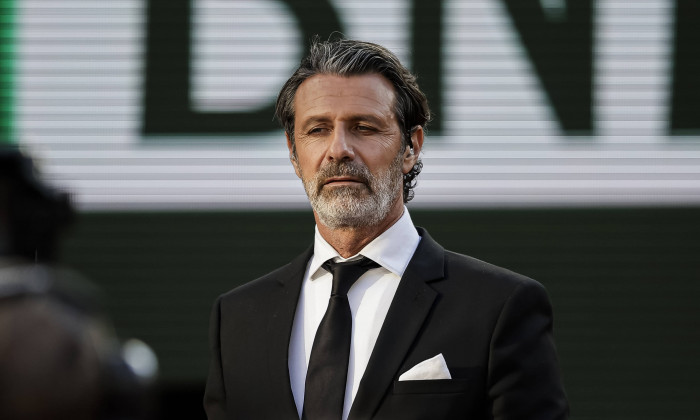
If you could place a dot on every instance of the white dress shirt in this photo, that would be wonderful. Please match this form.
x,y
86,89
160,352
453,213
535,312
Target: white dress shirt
x,y
370,298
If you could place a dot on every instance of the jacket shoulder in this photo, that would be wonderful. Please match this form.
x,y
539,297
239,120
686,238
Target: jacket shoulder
x,y
486,276
469,274
288,274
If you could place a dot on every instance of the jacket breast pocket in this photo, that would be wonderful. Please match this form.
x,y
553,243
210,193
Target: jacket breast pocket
x,y
436,386
432,400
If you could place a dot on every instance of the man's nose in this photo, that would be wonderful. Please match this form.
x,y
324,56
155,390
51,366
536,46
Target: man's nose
x,y
341,147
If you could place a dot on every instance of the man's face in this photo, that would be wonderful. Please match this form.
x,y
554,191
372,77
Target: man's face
x,y
348,149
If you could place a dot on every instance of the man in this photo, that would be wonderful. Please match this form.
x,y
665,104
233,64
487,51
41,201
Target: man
x,y
433,334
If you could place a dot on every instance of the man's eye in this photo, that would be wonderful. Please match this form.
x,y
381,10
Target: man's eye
x,y
364,128
317,130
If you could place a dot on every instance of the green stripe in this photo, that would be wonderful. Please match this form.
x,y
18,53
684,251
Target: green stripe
x,y
7,68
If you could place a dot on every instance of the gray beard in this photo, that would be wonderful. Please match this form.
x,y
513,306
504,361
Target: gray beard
x,y
355,206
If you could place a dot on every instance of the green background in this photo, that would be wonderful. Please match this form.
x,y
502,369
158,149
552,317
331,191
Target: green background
x,y
7,68
625,284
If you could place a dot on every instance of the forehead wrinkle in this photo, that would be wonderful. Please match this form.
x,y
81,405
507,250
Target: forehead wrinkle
x,y
363,110
318,93
351,98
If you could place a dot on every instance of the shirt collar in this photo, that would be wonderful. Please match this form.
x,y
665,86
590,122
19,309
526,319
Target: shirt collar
x,y
392,249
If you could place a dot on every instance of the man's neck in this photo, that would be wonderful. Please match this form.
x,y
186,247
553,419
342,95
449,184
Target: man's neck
x,y
348,241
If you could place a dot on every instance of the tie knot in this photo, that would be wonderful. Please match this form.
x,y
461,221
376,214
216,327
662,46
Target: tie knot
x,y
346,273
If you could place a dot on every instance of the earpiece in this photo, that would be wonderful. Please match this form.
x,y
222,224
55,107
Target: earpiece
x,y
410,136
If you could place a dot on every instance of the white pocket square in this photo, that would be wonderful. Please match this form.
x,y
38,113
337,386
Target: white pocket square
x,y
433,368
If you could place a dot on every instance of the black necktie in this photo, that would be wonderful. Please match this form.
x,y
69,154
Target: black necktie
x,y
326,377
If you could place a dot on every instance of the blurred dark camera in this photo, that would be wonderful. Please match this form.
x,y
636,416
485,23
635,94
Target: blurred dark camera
x,y
32,215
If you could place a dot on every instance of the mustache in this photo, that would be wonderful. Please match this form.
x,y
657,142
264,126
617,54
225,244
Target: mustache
x,y
335,169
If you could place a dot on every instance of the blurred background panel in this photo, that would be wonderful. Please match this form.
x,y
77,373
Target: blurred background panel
x,y
566,146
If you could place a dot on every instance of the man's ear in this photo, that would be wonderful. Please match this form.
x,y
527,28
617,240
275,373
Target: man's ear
x,y
412,153
292,156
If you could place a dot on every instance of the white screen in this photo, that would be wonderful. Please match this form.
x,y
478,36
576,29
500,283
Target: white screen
x,y
80,66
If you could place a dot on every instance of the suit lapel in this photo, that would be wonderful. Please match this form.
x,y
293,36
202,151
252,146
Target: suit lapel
x,y
411,305
283,303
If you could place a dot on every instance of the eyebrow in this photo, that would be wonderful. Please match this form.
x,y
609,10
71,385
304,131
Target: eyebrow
x,y
313,120
353,118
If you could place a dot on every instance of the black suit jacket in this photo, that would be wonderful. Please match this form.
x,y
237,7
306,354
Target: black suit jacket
x,y
493,326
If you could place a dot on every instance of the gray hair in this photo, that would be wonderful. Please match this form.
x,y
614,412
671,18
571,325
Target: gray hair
x,y
352,58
